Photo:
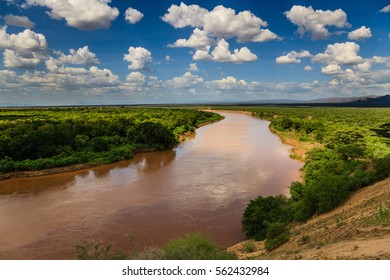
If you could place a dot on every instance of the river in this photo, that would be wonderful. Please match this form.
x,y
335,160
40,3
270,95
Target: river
x,y
203,185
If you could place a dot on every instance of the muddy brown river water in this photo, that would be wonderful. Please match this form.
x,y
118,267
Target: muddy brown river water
x,y
203,185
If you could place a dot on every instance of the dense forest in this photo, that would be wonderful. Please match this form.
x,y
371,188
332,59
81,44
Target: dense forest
x,y
40,138
352,150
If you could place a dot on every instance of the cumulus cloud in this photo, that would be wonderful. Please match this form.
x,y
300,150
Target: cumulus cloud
x,y
70,78
224,22
221,53
136,78
193,67
315,21
221,22
139,58
13,59
213,28
340,53
308,68
199,39
331,69
26,41
385,9
229,82
293,57
360,34
183,15
369,62
365,66
168,58
21,21
133,16
81,56
81,14
23,50
186,81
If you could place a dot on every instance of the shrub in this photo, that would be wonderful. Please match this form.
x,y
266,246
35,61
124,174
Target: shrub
x,y
249,246
96,250
277,234
195,246
263,211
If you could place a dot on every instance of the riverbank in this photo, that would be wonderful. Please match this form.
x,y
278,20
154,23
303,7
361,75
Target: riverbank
x,y
358,229
84,166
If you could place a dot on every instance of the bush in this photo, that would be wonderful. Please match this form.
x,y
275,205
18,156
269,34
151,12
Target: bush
x,y
96,250
249,246
195,246
263,211
277,234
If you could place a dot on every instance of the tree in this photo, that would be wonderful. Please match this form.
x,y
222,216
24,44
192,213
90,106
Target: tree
x,y
263,211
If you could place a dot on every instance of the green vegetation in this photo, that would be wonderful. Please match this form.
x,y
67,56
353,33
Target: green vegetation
x,y
194,246
277,234
263,211
353,151
249,246
33,139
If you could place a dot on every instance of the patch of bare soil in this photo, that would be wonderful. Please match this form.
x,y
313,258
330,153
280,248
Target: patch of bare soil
x,y
358,229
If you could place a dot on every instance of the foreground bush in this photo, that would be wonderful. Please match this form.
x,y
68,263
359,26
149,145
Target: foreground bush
x,y
194,246
277,234
264,211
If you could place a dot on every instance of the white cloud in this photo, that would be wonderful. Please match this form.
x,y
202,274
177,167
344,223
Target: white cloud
x,y
308,68
221,22
81,14
168,58
315,21
224,22
368,63
133,16
6,75
185,81
229,82
365,66
139,58
23,50
74,77
193,67
340,53
293,57
360,34
385,9
13,59
183,15
213,28
331,69
26,41
221,53
21,21
198,40
136,78
81,56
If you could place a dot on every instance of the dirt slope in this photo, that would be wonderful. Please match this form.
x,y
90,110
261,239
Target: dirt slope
x,y
358,229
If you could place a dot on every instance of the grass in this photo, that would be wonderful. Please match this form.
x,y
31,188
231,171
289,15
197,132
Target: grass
x,y
249,246
380,218
194,246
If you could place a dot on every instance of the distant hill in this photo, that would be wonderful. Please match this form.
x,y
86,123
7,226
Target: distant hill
x,y
342,99
363,101
381,101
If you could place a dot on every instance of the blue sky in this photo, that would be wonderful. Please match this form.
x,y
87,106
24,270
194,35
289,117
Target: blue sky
x,y
57,52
